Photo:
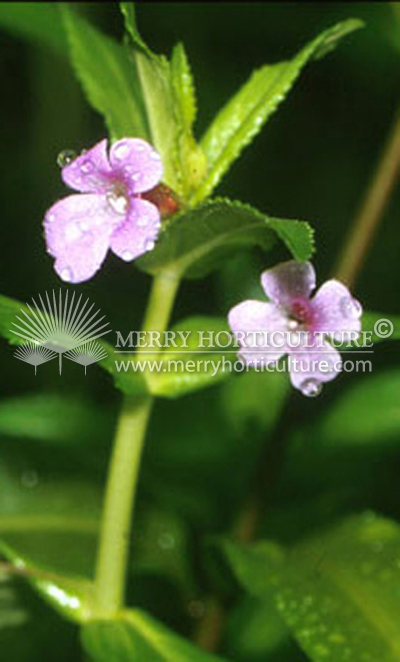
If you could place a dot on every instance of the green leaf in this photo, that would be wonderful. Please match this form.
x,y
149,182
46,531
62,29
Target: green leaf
x,y
169,97
37,416
48,525
255,632
107,75
243,116
130,382
134,635
252,402
339,591
71,596
40,22
360,419
194,242
378,325
195,363
162,547
183,85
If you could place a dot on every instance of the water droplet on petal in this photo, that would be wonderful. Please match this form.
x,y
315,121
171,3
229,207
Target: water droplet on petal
x,y
154,156
121,151
87,167
351,308
142,221
66,274
84,226
66,157
127,256
292,325
119,203
140,148
149,245
311,387
72,232
50,218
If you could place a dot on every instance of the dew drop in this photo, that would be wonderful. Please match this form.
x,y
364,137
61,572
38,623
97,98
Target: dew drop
x,y
127,256
118,203
66,274
121,151
166,541
72,232
292,325
29,479
66,157
154,156
311,387
84,226
149,245
351,308
50,218
135,177
143,221
87,167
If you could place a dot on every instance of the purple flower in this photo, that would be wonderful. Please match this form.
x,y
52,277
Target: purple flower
x,y
294,324
108,212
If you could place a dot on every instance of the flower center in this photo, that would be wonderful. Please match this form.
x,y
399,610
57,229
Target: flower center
x,y
300,314
117,198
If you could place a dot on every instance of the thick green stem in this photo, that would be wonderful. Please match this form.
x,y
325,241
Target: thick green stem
x,y
124,468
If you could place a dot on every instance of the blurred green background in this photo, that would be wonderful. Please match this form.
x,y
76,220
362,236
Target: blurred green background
x,y
313,161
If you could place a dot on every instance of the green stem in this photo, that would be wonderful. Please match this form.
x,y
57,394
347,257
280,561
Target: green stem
x,y
124,468
372,210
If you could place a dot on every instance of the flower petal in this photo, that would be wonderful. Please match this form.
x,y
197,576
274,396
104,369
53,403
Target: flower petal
x,y
90,172
140,163
313,363
260,328
77,232
138,233
335,310
288,281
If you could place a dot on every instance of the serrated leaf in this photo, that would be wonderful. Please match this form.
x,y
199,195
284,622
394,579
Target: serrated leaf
x,y
193,243
134,635
183,84
243,116
339,591
169,97
107,75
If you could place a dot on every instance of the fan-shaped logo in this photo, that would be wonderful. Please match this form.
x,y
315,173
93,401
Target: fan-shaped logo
x,y
60,327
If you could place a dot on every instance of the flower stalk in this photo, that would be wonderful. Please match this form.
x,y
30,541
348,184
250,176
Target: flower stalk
x,y
122,481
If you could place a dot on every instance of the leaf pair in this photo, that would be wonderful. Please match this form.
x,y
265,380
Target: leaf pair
x,y
338,592
154,97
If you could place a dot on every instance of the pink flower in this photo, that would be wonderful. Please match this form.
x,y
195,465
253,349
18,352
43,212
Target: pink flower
x,y
294,324
108,212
